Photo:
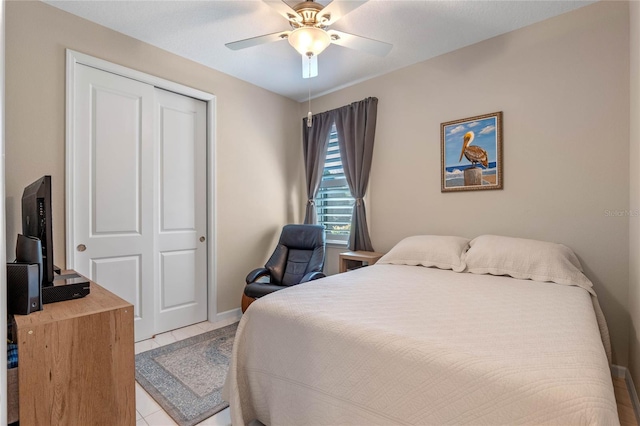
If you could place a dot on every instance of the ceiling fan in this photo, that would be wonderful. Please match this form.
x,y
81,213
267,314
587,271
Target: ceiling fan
x,y
310,35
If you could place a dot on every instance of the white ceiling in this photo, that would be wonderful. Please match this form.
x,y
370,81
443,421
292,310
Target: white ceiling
x,y
418,30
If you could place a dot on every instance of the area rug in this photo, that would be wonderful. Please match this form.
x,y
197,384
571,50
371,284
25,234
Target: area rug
x,y
186,377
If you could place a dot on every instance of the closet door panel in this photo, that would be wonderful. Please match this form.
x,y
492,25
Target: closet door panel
x,y
113,188
182,249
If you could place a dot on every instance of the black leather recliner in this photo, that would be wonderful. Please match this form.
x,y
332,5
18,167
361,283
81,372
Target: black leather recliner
x,y
298,258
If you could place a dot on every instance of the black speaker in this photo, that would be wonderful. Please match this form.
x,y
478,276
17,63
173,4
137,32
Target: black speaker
x,y
23,288
29,250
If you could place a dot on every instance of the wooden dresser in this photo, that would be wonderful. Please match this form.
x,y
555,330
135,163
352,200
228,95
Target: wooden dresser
x,y
76,362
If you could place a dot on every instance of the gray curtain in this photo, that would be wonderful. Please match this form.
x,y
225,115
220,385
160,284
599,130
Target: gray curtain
x,y
356,126
315,140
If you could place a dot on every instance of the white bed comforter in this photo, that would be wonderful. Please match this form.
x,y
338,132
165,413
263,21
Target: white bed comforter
x,y
392,344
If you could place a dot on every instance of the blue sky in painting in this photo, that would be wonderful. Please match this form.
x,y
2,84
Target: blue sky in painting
x,y
485,138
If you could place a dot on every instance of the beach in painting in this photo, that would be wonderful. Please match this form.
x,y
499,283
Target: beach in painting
x,y
455,175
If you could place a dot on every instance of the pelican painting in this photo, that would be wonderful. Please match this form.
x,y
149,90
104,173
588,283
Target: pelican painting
x,y
475,154
471,150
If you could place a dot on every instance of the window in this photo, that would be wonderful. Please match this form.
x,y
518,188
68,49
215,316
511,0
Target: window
x,y
334,203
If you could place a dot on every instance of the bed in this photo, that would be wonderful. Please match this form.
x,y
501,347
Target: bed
x,y
442,330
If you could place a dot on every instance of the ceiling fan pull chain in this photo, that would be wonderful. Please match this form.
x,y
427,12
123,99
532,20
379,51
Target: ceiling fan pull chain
x,y
309,115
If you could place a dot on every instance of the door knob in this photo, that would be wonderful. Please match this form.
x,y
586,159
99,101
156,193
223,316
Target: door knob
x,y
81,247
202,239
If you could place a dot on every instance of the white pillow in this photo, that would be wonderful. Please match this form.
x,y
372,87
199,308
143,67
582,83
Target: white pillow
x,y
524,259
443,252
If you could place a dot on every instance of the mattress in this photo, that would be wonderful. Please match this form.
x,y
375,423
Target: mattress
x,y
397,344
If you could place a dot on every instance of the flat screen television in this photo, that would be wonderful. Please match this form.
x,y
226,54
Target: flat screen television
x,y
36,222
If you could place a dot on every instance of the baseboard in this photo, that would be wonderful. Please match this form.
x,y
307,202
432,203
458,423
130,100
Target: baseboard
x,y
618,371
623,372
228,317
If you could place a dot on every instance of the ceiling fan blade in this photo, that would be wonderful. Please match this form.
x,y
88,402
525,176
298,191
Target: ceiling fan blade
x,y
309,66
284,9
337,9
255,41
375,47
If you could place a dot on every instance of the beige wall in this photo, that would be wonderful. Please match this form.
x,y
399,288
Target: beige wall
x,y
563,85
634,222
257,142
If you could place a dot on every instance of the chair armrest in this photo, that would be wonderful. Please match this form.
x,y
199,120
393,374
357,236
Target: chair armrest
x,y
254,275
312,276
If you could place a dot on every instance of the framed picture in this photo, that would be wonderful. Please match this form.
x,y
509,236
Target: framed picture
x,y
471,153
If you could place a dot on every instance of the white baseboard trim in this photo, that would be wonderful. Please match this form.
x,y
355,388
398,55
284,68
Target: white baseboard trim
x,y
618,371
227,317
623,372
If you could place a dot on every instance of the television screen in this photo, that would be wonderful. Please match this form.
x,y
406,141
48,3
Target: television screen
x,y
36,222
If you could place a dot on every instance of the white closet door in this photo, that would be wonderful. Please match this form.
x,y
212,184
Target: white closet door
x,y
113,188
140,197
181,211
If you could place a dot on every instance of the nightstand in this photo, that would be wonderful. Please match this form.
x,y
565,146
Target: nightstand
x,y
356,259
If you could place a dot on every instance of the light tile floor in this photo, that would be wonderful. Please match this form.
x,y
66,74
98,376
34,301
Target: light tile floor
x,y
148,412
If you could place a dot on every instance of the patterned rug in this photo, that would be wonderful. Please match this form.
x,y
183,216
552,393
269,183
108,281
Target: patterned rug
x,y
186,377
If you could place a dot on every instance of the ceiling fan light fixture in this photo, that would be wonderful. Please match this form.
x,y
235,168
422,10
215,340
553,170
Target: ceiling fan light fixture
x,y
309,40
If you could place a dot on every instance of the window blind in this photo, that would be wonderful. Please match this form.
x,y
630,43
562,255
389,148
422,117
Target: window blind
x,y
334,203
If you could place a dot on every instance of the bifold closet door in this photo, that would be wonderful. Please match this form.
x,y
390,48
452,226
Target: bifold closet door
x,y
139,197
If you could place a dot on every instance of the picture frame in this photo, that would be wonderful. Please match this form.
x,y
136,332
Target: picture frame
x,y
471,153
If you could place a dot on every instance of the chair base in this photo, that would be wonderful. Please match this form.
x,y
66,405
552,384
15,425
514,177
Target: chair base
x,y
246,301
